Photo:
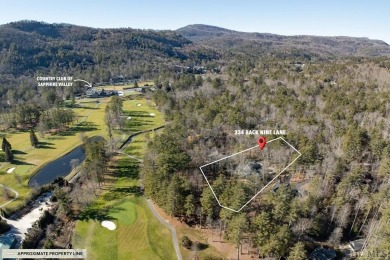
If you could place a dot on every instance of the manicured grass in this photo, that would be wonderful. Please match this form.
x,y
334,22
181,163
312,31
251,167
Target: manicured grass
x,y
94,235
138,145
90,119
128,215
28,160
139,235
139,110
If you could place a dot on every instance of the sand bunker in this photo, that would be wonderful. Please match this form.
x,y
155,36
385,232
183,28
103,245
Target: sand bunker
x,y
10,170
109,225
152,114
138,105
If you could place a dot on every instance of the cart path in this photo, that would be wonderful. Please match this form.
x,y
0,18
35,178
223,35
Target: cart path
x,y
171,228
12,190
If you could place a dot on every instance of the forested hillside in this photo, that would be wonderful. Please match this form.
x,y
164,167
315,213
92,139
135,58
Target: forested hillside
x,y
336,114
278,45
29,49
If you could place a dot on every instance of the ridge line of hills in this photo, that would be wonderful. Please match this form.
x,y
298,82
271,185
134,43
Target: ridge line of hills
x,y
28,48
222,30
329,46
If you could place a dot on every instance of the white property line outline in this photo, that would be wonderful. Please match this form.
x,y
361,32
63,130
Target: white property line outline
x,y
263,187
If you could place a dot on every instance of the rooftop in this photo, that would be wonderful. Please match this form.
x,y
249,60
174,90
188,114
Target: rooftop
x,y
321,253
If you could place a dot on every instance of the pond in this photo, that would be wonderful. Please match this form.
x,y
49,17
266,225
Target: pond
x,y
57,168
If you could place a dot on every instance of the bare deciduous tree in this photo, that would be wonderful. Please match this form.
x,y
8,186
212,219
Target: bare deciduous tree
x,y
335,237
302,226
6,195
74,163
343,215
18,178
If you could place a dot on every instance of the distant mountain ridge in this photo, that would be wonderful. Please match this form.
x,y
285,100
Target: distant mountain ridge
x,y
30,46
218,37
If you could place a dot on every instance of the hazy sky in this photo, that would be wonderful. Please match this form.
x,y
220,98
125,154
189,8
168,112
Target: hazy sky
x,y
362,18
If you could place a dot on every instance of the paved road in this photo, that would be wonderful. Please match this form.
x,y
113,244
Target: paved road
x,y
12,190
171,228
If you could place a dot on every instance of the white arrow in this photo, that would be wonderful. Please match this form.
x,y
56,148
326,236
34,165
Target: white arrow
x,y
88,84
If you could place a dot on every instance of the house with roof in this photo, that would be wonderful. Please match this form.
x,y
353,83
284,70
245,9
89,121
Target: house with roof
x,y
97,93
356,245
322,253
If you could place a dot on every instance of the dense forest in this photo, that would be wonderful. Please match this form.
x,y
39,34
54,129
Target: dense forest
x,y
336,114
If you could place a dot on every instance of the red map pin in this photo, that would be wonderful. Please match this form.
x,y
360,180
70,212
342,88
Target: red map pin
x,y
262,141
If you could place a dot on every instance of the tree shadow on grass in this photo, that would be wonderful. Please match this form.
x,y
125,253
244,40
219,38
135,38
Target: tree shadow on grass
x,y
86,107
99,212
55,138
136,125
18,152
201,246
45,145
85,127
81,127
124,191
137,113
19,162
127,170
134,150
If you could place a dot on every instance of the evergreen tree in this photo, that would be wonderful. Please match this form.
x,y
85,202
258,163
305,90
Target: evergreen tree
x,y
297,252
176,196
279,241
264,229
236,229
384,168
4,226
96,159
9,157
355,140
33,139
209,204
190,205
5,143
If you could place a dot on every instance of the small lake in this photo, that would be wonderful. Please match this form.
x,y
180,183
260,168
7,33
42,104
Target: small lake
x,y
57,168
